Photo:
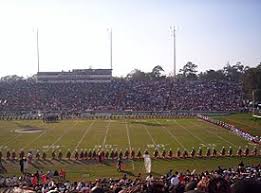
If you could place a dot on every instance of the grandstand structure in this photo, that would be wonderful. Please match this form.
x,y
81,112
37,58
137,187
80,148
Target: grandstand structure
x,y
76,76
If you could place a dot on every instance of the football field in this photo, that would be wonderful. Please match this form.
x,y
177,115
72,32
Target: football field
x,y
148,134
107,135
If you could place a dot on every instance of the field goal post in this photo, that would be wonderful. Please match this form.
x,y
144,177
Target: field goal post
x,y
256,103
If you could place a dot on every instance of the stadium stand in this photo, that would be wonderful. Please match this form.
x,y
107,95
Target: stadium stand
x,y
76,76
120,95
243,179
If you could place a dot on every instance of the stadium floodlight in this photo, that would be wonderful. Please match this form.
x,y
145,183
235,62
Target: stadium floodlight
x,y
110,31
37,47
173,33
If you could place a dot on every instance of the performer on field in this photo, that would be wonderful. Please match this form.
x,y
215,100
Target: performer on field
x,y
230,151
147,162
193,152
119,164
208,152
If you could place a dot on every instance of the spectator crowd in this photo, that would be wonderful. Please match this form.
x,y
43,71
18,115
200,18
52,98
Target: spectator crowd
x,y
120,95
232,128
243,179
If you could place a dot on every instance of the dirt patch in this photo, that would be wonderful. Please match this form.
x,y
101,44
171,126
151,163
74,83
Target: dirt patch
x,y
28,130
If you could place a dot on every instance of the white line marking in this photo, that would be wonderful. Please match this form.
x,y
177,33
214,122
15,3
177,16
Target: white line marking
x,y
10,140
106,133
128,135
222,138
35,139
56,141
84,134
239,122
153,141
171,134
215,134
195,136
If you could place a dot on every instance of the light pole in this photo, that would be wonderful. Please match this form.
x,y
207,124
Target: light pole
x,y
173,33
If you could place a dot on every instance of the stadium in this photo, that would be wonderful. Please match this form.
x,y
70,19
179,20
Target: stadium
x,y
85,128
91,130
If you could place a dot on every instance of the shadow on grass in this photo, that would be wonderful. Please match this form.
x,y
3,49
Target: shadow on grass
x,y
37,166
3,170
146,123
127,172
156,174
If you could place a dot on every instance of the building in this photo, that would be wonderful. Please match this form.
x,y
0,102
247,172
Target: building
x,y
76,76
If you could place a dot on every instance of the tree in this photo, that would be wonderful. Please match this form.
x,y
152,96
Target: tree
x,y
212,75
252,82
235,72
11,78
136,75
189,71
156,72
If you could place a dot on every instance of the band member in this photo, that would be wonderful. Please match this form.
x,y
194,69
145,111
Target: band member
x,y
68,155
156,153
60,155
208,152
170,153
193,152
230,151
178,153
223,151
239,151
247,151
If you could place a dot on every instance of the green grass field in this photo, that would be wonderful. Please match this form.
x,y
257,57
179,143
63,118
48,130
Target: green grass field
x,y
118,134
245,121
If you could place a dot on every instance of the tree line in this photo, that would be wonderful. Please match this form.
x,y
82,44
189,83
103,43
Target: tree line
x,y
249,78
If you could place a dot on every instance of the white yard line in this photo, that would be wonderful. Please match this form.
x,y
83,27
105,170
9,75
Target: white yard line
x,y
57,140
195,136
84,134
12,139
37,137
31,142
106,133
215,134
153,141
128,135
222,138
239,122
171,134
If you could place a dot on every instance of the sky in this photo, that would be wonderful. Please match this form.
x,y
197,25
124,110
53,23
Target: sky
x,y
73,34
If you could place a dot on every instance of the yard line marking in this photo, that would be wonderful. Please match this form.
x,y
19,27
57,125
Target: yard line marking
x,y
171,134
106,133
84,134
128,135
61,136
236,121
222,138
195,136
215,134
153,141
12,139
35,139
56,141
